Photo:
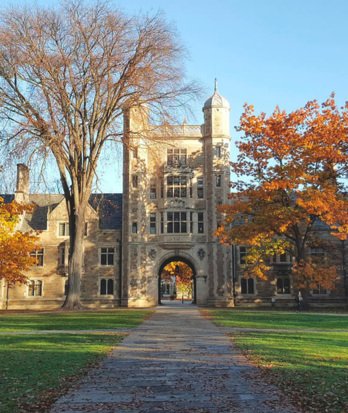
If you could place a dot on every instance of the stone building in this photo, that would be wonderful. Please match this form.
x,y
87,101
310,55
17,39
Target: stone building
x,y
167,212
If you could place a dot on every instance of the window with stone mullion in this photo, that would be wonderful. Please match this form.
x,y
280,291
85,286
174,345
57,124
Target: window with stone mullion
x,y
107,256
283,285
176,222
176,186
177,157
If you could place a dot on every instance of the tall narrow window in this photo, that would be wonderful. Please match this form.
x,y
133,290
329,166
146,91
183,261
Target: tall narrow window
x,y
135,181
153,228
176,186
162,223
106,286
134,227
247,285
176,222
283,285
242,255
191,222
35,288
61,256
63,229
86,229
107,255
218,150
218,180
135,152
200,187
200,223
162,188
153,192
38,255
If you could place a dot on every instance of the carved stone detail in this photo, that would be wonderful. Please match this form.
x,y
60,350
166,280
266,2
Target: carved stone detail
x,y
152,254
201,254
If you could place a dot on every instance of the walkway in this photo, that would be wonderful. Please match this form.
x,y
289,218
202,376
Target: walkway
x,y
176,361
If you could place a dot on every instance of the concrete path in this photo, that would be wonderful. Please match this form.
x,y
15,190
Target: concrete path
x,y
177,361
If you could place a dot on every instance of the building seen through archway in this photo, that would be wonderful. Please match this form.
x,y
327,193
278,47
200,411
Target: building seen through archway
x,y
176,281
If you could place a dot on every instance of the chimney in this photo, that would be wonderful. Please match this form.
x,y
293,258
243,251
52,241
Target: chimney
x,y
22,187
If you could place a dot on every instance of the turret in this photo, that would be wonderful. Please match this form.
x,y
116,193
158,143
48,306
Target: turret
x,y
216,115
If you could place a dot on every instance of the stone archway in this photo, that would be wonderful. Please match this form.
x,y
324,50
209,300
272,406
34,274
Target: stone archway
x,y
177,258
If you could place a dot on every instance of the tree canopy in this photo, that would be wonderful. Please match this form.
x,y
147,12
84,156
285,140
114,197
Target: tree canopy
x,y
291,189
15,246
183,276
67,74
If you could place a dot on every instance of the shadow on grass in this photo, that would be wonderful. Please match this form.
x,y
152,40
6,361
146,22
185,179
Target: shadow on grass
x,y
35,369
311,367
86,320
278,320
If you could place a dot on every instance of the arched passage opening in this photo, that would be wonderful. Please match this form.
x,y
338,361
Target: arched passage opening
x,y
177,280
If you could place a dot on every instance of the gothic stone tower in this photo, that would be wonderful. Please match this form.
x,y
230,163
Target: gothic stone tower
x,y
174,179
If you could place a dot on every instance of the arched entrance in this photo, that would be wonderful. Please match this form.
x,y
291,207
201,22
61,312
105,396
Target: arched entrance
x,y
177,280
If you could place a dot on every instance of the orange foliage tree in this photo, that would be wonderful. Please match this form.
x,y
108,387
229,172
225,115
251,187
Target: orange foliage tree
x,y
15,246
290,184
183,277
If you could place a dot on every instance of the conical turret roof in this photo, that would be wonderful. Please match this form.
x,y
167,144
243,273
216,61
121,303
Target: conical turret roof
x,y
216,100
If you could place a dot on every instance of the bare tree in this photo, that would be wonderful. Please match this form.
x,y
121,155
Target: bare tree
x,y
66,75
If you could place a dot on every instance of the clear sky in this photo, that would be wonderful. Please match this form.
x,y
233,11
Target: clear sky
x,y
264,52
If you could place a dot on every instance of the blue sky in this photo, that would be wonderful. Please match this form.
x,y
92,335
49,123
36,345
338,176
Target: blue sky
x,y
263,52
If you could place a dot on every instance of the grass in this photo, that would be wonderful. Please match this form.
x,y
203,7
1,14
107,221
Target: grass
x,y
279,320
310,366
81,320
36,368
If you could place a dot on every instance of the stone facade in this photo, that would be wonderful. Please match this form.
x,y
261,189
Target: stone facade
x,y
171,192
173,180
47,280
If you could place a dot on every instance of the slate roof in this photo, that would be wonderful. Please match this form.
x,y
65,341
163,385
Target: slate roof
x,y
7,198
110,210
108,205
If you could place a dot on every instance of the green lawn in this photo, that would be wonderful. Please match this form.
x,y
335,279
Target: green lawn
x,y
279,319
312,367
36,368
81,320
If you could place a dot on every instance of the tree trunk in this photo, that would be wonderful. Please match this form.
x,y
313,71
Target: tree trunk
x,y
76,256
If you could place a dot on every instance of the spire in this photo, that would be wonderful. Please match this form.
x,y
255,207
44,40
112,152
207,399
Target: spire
x,y
215,85
216,100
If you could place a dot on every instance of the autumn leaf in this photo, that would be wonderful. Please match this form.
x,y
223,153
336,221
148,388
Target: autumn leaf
x,y
15,246
291,170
